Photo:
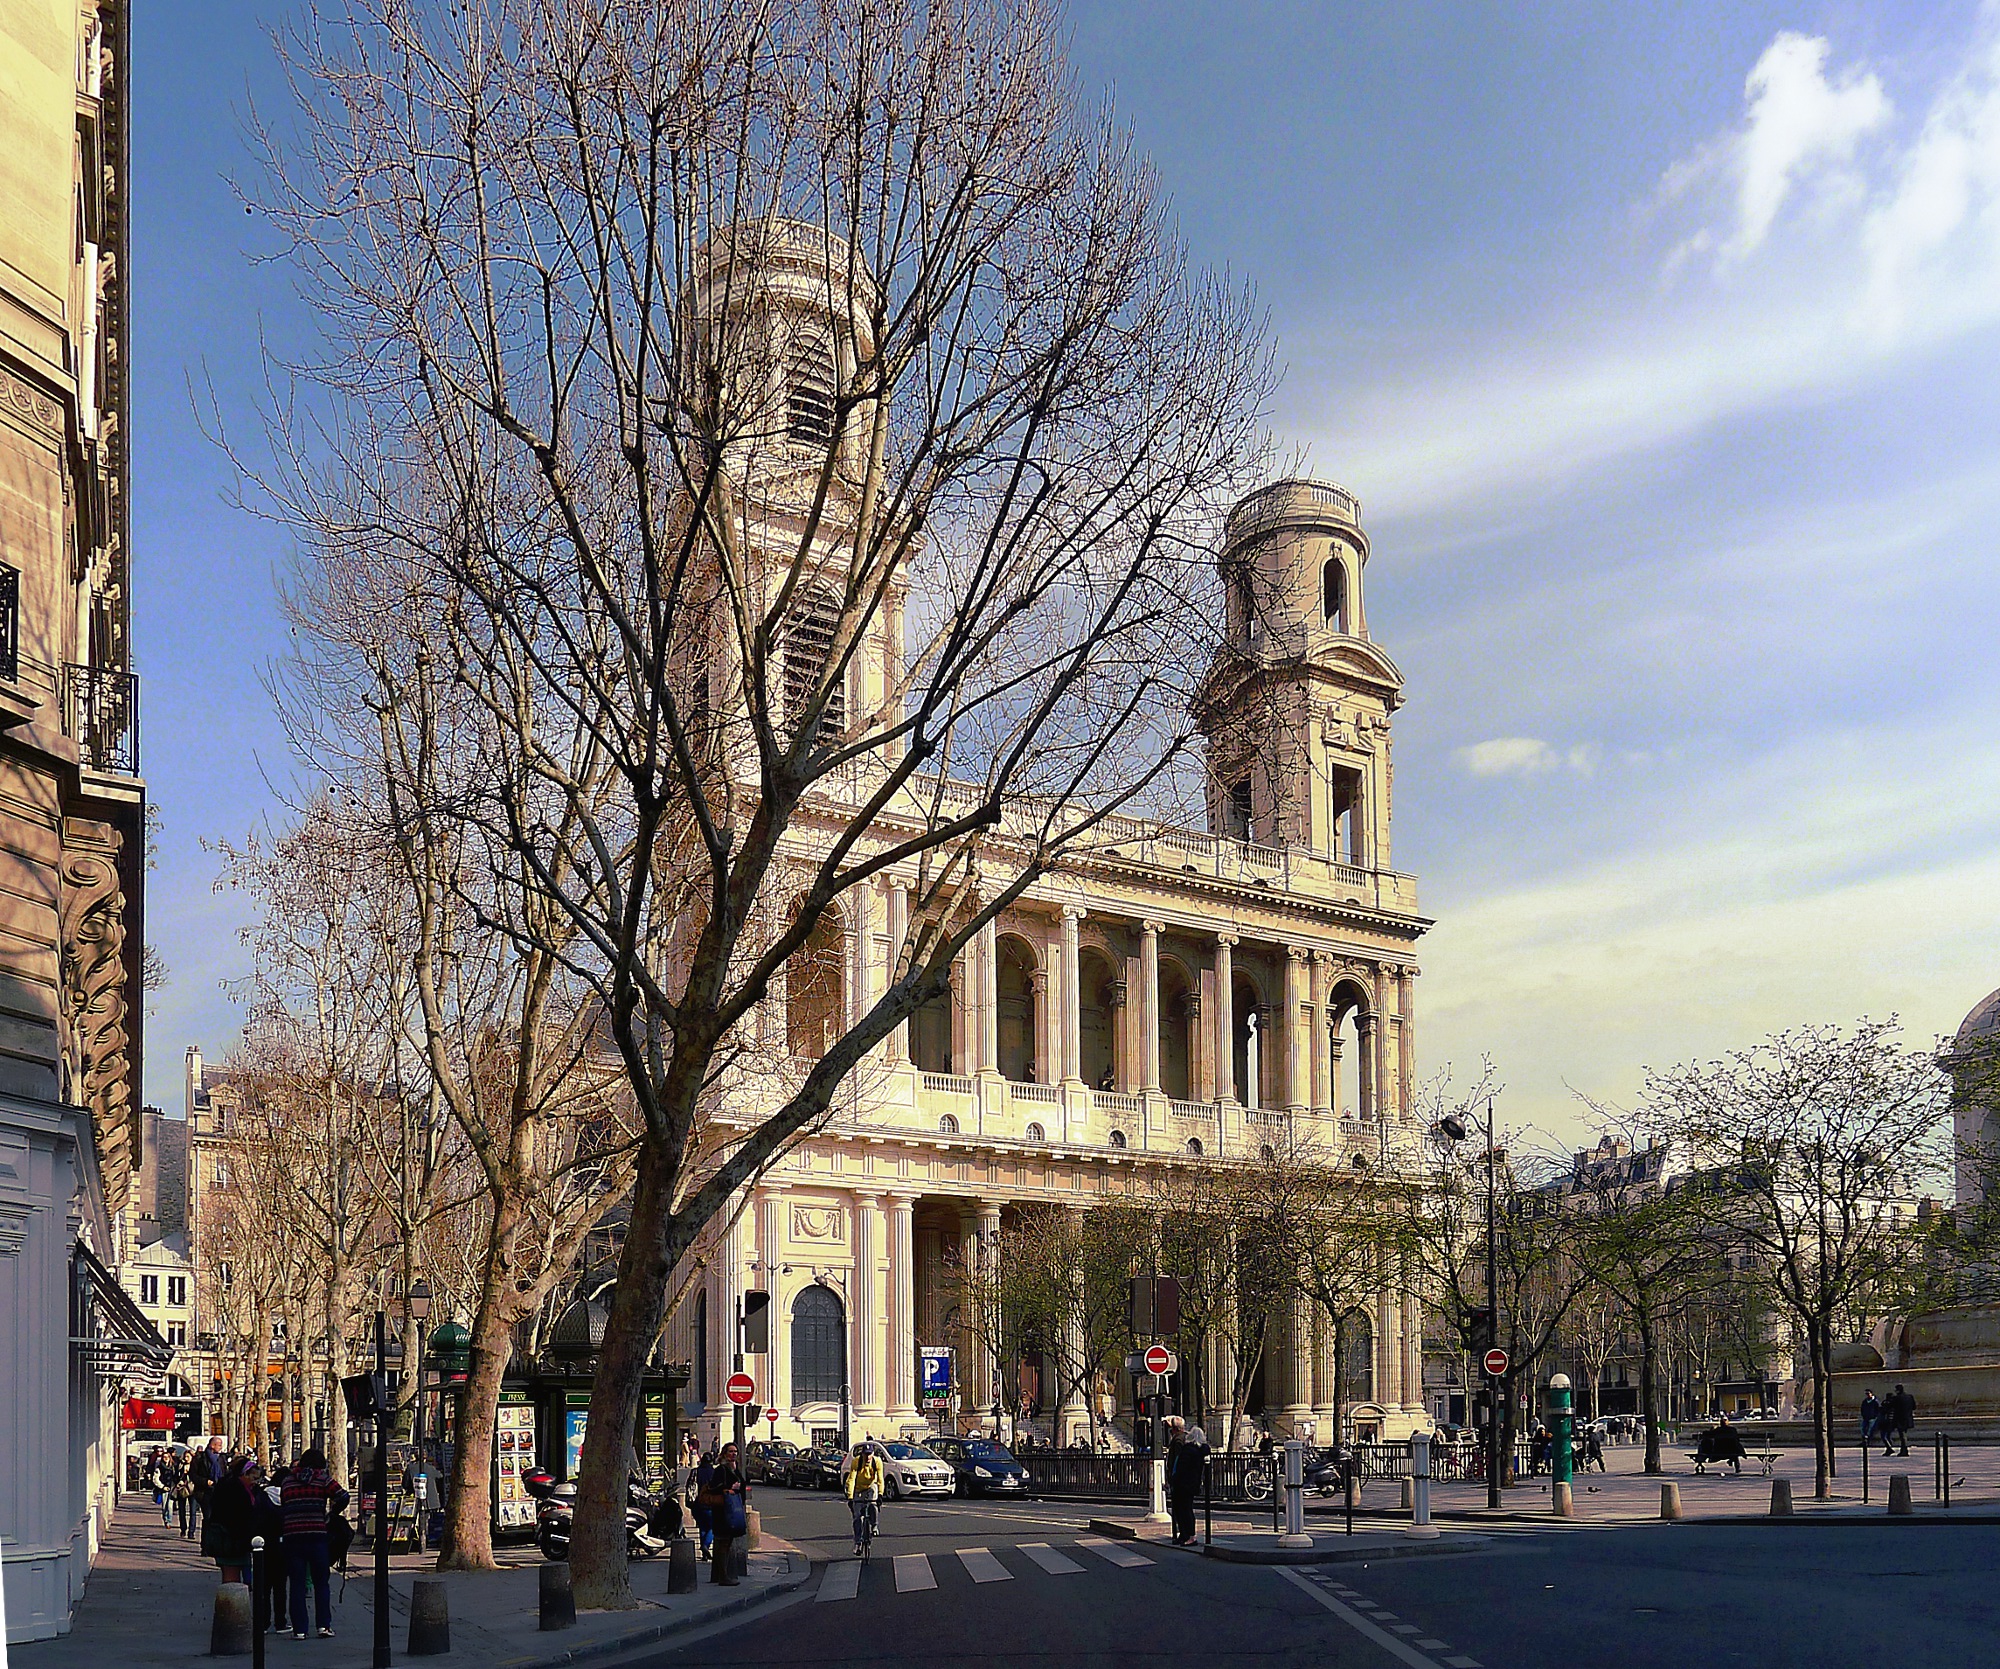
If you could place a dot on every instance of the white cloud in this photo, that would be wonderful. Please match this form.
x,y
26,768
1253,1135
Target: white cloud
x,y
1901,257
1525,756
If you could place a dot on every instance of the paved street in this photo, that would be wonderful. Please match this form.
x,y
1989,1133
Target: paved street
x,y
1025,1585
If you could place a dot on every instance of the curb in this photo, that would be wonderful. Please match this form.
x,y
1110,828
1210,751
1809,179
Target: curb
x,y
798,1572
1342,1555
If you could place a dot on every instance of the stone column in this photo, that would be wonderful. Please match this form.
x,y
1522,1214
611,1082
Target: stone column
x,y
899,933
1326,1393
866,1379
1383,1084
1225,1019
773,1211
988,1010
1149,1003
1322,1037
1071,998
1296,1379
1121,1066
859,934
987,1224
1413,1341
1046,1069
1387,1391
1298,1056
1074,1414
1365,1028
901,1394
1406,1047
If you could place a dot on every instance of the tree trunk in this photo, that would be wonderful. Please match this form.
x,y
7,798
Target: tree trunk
x,y
1818,1335
1649,1388
598,1575
467,1543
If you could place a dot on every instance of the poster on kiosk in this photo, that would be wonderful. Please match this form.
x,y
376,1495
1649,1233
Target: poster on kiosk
x,y
514,1452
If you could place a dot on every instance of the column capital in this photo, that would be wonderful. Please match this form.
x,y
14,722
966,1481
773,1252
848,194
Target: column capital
x,y
1074,912
869,1197
1325,958
1227,939
1297,953
1152,929
1038,981
900,1199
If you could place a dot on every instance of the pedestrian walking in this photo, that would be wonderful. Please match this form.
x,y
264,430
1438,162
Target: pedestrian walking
x,y
267,1519
180,1491
864,1495
154,1480
1871,1414
1899,1414
226,1531
701,1501
306,1500
1187,1466
1593,1449
204,1473
729,1505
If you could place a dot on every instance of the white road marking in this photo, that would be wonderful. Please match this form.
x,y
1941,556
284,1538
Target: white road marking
x,y
913,1573
1050,1560
842,1581
1462,1663
1401,1650
982,1566
1433,1645
1117,1552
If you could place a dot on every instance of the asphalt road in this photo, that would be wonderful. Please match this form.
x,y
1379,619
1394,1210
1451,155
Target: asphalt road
x,y
1913,1597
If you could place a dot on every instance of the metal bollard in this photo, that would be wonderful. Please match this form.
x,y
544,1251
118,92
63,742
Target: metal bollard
x,y
260,1609
1421,1528
1295,1508
753,1529
1899,1495
681,1566
1409,1495
1781,1497
558,1603
1670,1502
229,1630
430,1617
1563,1502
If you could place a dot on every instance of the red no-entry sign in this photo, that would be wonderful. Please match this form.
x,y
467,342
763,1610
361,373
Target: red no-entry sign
x,y
771,1414
1496,1362
740,1389
1159,1360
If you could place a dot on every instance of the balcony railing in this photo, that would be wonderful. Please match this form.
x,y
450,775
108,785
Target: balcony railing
x,y
10,623
101,715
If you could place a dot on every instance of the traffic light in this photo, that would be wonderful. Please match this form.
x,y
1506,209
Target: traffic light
x,y
756,1324
1155,1306
1479,1330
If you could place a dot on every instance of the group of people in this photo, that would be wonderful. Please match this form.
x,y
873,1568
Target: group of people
x,y
228,1501
1586,1449
1890,1419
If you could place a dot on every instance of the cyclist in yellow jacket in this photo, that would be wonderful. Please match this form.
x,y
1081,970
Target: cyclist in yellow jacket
x,y
864,1491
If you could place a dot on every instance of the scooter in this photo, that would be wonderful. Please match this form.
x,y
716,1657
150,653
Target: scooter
x,y
651,1521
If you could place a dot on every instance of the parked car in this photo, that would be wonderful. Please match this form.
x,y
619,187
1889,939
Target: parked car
x,y
912,1469
769,1461
815,1468
982,1467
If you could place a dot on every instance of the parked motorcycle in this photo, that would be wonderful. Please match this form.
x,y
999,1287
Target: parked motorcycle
x,y
651,1520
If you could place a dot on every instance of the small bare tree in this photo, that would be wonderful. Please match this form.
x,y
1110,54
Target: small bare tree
x,y
1811,1151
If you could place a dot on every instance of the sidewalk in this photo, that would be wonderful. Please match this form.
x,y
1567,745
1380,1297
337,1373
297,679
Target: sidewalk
x,y
1252,1541
148,1604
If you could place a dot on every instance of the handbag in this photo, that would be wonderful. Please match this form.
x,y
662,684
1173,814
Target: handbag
x,y
734,1516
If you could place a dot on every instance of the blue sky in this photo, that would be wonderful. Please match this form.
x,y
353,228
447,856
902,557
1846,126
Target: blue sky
x,y
1662,345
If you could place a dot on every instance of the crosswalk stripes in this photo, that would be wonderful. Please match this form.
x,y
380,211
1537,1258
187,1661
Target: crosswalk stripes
x,y
1118,1553
913,1573
981,1565
842,1581
1050,1560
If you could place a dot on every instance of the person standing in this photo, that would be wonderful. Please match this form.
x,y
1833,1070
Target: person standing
x,y
1187,1466
306,1498
1899,1414
729,1498
1871,1414
180,1491
701,1501
204,1473
226,1531
267,1519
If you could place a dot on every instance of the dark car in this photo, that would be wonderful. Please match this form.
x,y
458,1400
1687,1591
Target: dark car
x,y
769,1462
983,1467
815,1468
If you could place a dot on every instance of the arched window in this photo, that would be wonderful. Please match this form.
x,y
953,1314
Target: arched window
x,y
948,1125
809,629
815,992
1333,592
1194,1146
1014,980
1357,1359
809,383
819,1345
700,1386
1037,1134
1117,1138
1243,598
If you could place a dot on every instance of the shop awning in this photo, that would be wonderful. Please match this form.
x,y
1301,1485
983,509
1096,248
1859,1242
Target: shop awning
x,y
112,1333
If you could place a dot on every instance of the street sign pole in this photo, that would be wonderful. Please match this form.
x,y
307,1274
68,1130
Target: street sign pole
x,y
739,1368
382,1418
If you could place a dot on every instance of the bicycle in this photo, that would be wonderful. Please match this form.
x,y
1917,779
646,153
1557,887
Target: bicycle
x,y
867,1520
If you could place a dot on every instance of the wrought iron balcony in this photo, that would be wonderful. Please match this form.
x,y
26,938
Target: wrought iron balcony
x,y
10,624
101,715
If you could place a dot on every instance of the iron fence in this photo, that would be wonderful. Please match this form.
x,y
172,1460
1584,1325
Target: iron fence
x,y
10,624
101,715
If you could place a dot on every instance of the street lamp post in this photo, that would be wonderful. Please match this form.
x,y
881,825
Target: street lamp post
x,y
1455,1131
420,1312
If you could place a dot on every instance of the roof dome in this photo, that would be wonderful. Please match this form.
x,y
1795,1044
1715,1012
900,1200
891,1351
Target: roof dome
x,y
1983,1022
579,1331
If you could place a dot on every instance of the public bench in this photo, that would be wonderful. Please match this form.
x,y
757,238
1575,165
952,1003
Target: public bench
x,y
1766,1459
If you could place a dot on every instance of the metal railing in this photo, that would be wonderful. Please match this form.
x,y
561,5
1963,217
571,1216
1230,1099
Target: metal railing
x,y
10,624
1248,1477
101,715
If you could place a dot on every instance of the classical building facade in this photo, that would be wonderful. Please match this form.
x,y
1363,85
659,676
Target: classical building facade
x,y
72,806
1174,994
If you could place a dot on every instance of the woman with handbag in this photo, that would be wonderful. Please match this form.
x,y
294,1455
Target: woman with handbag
x,y
729,1506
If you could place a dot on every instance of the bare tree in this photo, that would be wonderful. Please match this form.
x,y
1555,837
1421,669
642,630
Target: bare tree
x,y
820,441
1811,1151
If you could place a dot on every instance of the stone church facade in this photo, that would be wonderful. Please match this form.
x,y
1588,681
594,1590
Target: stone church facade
x,y
72,831
1174,994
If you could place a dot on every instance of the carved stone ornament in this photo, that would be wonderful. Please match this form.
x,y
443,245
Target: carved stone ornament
x,y
95,1060
819,1222
31,403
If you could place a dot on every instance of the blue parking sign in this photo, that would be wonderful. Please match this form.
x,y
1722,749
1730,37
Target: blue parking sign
x,y
935,1362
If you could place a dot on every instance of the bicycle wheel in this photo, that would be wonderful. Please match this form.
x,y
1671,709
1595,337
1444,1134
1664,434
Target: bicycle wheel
x,y
1257,1485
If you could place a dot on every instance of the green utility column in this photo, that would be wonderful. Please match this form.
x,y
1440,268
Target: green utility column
x,y
1563,1422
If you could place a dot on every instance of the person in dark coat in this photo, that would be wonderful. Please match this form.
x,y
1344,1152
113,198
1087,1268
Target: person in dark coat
x,y
729,1496
1871,1414
1899,1414
1187,1465
225,1530
698,1502
267,1519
